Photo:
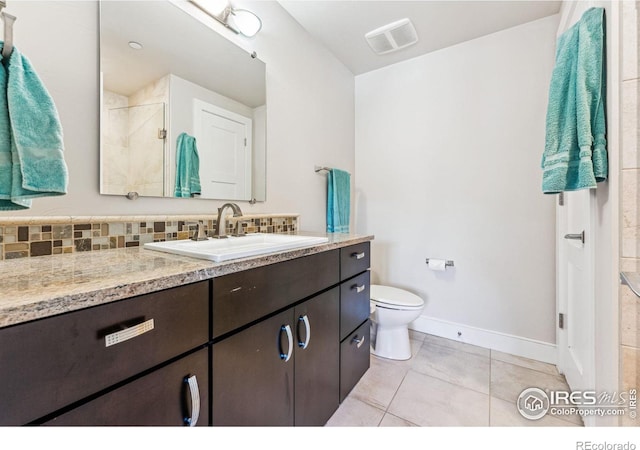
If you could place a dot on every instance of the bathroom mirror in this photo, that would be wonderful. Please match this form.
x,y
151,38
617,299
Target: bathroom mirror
x,y
167,78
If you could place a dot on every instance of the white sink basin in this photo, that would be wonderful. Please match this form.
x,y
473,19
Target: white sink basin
x,y
236,247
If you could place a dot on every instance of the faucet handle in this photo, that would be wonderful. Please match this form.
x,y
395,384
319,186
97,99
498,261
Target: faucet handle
x,y
240,229
199,235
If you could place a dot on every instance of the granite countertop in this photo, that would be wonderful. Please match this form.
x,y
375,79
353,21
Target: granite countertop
x,y
33,288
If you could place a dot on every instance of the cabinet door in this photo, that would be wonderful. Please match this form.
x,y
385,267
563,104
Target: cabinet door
x,y
354,359
317,356
252,375
176,394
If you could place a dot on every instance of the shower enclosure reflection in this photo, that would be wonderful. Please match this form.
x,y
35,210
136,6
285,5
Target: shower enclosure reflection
x,y
133,147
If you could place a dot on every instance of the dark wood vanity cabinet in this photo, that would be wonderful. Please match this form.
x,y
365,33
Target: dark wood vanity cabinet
x,y
173,395
55,363
280,364
264,372
280,344
283,370
354,314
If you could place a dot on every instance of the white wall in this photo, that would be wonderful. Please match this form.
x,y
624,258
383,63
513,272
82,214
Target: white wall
x,y
310,111
448,149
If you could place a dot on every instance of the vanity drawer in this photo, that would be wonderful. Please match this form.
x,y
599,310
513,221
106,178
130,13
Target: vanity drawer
x,y
162,398
354,259
354,303
50,363
354,359
243,297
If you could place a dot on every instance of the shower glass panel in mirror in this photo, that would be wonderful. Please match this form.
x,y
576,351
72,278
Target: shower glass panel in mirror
x,y
183,108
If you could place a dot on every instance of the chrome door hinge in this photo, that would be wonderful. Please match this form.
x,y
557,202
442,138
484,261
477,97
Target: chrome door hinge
x,y
245,142
561,321
162,134
561,199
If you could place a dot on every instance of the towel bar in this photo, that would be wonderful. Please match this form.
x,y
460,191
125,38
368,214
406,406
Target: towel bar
x,y
320,168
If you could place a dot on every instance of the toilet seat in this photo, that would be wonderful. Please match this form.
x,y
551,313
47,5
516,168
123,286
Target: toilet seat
x,y
394,298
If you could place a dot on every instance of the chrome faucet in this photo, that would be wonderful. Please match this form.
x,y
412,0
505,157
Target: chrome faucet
x,y
221,230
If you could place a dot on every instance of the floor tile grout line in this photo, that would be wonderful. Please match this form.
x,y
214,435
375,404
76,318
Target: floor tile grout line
x,y
448,380
557,375
386,411
451,347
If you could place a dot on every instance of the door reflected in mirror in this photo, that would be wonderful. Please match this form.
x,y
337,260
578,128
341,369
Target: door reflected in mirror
x,y
197,85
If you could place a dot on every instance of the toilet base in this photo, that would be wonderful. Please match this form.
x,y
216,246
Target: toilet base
x,y
392,343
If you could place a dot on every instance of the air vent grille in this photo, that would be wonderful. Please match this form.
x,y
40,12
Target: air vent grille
x,y
392,37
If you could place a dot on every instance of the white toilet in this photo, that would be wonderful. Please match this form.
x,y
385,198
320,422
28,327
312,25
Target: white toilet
x,y
392,310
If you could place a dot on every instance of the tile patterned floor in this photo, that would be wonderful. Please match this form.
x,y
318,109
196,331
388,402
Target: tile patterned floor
x,y
448,383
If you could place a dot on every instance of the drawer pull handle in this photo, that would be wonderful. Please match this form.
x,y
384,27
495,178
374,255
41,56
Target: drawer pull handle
x,y
358,255
304,319
129,333
357,288
358,342
286,356
192,382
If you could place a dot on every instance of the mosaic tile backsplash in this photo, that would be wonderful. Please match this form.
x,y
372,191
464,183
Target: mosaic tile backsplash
x,y
30,237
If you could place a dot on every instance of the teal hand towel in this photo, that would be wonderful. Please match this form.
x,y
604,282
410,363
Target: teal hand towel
x,y
6,161
338,201
38,165
6,164
187,167
575,154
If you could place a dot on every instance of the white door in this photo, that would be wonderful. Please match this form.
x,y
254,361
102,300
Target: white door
x,y
576,290
223,139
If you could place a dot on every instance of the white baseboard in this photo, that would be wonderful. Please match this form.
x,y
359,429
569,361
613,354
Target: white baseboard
x,y
507,343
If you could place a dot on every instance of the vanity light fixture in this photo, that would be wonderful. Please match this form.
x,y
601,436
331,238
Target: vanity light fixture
x,y
240,21
135,45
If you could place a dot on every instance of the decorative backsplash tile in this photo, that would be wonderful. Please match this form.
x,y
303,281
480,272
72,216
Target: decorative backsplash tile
x,y
31,237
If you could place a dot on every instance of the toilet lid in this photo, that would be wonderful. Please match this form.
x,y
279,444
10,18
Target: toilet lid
x,y
394,296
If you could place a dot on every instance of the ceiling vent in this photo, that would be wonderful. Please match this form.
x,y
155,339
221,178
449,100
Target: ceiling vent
x,y
392,37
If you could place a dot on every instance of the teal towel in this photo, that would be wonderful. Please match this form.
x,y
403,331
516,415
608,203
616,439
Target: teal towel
x,y
575,154
187,167
6,164
338,201
37,148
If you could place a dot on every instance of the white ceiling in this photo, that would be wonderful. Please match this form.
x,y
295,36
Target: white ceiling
x,y
195,53
341,25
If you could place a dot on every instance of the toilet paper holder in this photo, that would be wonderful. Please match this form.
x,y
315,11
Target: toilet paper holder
x,y
448,263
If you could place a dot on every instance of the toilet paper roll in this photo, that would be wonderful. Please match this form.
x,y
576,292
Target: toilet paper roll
x,y
439,265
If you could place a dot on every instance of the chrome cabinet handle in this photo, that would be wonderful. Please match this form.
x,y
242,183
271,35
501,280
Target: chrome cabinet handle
x,y
358,342
129,333
286,356
304,319
358,255
577,237
357,288
192,382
